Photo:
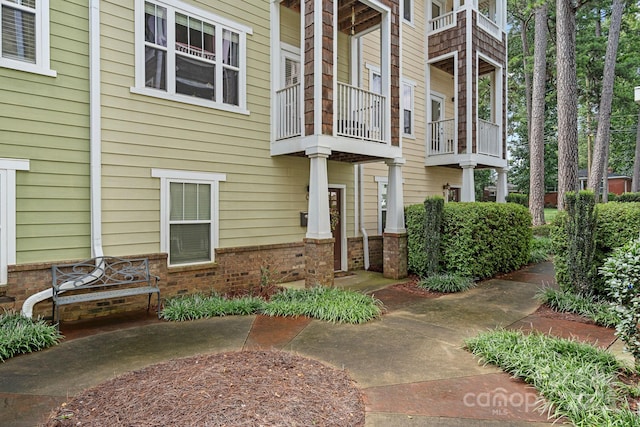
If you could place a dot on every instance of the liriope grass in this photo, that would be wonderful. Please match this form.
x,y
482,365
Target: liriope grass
x,y
325,303
331,304
577,381
19,334
198,306
599,311
541,249
446,283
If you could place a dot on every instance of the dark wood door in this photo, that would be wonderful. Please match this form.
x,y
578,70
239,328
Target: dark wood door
x,y
335,214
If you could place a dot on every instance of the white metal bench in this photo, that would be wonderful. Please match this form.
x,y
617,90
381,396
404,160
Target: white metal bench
x,y
101,278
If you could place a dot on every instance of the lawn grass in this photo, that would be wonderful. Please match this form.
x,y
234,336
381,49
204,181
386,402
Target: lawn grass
x,y
577,381
550,214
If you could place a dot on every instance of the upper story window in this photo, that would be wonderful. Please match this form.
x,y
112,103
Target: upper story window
x,y
407,107
24,30
408,11
189,55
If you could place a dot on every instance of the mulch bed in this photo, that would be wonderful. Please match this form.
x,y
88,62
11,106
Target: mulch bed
x,y
245,388
411,287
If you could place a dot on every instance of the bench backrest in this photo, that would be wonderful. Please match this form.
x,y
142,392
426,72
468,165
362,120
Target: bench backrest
x,y
101,271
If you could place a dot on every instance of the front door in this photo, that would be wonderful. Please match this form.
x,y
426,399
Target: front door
x,y
335,217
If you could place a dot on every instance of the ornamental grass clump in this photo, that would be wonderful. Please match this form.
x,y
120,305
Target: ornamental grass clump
x,y
621,272
446,283
200,306
19,334
331,304
577,380
590,306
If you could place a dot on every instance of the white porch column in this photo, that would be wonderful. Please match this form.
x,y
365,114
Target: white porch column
x,y
318,224
468,193
501,185
395,199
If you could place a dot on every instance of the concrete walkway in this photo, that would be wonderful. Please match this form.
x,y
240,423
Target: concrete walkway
x,y
410,364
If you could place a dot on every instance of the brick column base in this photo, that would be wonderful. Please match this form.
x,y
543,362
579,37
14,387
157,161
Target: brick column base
x,y
318,257
395,255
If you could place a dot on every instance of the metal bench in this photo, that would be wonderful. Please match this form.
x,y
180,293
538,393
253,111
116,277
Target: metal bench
x,y
101,278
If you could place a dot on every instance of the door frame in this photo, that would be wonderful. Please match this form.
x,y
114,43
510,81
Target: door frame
x,y
343,223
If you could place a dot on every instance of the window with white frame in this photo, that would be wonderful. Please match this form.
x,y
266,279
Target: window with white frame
x,y
187,54
189,215
290,65
407,107
24,31
408,10
8,168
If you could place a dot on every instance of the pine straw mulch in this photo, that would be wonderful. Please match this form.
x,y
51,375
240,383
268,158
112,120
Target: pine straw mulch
x,y
244,388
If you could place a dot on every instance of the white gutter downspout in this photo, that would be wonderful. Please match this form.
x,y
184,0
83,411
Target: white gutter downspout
x,y
95,139
365,236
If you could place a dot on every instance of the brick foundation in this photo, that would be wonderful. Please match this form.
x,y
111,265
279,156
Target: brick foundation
x,y
235,269
395,263
318,254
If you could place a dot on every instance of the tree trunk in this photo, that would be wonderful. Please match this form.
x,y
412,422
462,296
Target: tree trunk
x,y
635,183
536,140
527,75
603,134
567,100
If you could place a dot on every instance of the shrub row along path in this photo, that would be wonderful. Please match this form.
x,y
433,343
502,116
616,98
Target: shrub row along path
x,y
409,365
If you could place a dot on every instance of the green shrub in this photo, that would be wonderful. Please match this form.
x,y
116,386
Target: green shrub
x,y
616,224
628,197
622,277
433,207
414,222
520,199
482,239
543,230
581,241
446,283
19,334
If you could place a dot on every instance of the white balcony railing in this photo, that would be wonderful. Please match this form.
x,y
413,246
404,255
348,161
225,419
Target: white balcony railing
x,y
360,114
442,22
288,112
489,26
489,141
441,137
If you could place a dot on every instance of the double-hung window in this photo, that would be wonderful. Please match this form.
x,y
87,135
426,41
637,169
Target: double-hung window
x,y
190,55
189,215
407,107
407,10
24,35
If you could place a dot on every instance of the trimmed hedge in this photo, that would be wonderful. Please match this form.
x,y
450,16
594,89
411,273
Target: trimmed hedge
x,y
616,224
478,239
482,239
414,216
627,198
518,198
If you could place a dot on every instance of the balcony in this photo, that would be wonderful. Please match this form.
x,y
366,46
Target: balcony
x,y
441,137
359,114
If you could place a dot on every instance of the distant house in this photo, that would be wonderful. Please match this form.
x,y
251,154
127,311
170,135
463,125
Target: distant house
x,y
618,184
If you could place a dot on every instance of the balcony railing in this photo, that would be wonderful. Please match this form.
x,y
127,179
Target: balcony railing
x,y
288,112
441,137
489,141
489,26
360,114
442,22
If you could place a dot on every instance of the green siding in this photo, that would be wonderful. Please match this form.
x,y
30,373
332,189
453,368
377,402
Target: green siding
x,y
45,120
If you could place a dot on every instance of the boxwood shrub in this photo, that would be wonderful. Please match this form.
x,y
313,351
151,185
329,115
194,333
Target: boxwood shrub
x,y
482,239
478,239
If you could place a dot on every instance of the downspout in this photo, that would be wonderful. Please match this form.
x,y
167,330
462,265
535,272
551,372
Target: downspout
x,y
365,236
95,139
